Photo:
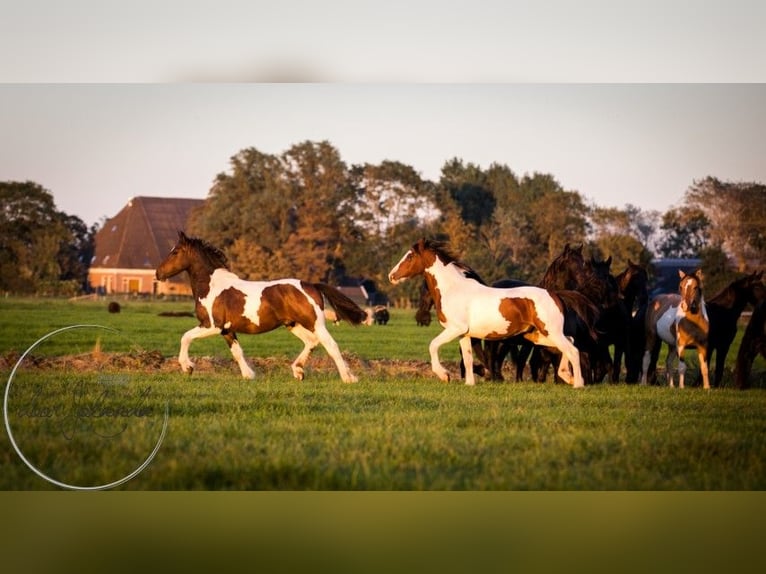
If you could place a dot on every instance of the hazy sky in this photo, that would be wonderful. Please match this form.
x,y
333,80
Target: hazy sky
x,y
86,110
94,146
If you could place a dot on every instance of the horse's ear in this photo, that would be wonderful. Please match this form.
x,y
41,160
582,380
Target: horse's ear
x,y
420,245
182,236
609,261
699,274
681,273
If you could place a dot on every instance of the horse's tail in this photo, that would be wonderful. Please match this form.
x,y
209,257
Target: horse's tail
x,y
346,309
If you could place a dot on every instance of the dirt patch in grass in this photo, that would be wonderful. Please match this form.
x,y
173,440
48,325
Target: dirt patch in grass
x,y
155,362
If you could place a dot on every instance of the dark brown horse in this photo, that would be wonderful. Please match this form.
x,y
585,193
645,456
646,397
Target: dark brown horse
x,y
227,305
632,285
753,344
724,310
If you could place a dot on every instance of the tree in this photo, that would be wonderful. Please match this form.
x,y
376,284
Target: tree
x,y
622,234
685,232
467,186
736,213
39,245
286,215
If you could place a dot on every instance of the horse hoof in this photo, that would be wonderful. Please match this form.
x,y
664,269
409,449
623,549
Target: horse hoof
x,y
351,379
298,373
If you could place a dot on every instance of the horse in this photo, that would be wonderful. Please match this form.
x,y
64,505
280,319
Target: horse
x,y
467,308
724,310
753,343
227,305
632,285
680,320
614,318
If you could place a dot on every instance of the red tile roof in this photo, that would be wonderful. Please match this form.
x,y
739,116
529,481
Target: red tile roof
x,y
143,232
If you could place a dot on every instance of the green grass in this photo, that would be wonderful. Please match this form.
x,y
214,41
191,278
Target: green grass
x,y
394,430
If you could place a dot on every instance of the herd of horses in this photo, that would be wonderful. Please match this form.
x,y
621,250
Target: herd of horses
x,y
573,317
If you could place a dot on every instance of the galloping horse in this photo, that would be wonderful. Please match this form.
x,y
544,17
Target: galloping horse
x,y
724,310
466,308
680,319
226,305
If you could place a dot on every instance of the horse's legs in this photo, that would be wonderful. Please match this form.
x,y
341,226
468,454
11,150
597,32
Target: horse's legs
x,y
239,356
323,336
570,355
196,333
651,352
310,341
433,349
704,364
525,350
679,352
466,350
720,363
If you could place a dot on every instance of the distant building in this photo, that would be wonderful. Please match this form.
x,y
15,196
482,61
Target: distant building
x,y
131,245
665,274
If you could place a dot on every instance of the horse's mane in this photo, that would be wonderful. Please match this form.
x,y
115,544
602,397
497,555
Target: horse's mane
x,y
446,256
214,255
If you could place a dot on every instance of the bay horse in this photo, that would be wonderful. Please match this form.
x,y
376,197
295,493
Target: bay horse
x,y
227,305
681,321
724,310
467,308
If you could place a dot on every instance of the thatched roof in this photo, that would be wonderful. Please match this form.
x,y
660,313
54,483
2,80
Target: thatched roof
x,y
142,233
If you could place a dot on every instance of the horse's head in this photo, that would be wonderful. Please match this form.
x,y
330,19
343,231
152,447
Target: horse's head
x,y
690,288
567,271
754,287
191,253
419,258
633,283
177,260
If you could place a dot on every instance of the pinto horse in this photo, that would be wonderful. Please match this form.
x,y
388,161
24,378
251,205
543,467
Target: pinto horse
x,y
226,305
466,308
724,310
681,320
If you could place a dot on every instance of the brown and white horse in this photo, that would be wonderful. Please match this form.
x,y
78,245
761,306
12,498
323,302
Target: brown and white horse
x,y
226,305
467,308
680,320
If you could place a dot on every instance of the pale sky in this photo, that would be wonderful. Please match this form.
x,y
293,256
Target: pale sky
x,y
102,101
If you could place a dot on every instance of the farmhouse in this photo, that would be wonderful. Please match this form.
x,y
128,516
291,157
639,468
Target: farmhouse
x,y
131,244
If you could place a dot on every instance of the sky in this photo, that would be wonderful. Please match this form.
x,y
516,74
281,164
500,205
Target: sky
x,y
624,103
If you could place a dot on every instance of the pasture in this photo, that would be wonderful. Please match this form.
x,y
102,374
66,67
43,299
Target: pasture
x,y
398,428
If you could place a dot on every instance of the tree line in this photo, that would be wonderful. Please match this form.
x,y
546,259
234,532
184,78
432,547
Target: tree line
x,y
306,213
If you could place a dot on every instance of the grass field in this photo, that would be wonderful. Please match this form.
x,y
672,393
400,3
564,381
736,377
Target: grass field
x,y
397,429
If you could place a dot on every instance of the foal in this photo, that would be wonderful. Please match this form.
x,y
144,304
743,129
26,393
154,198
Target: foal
x,y
680,319
227,305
